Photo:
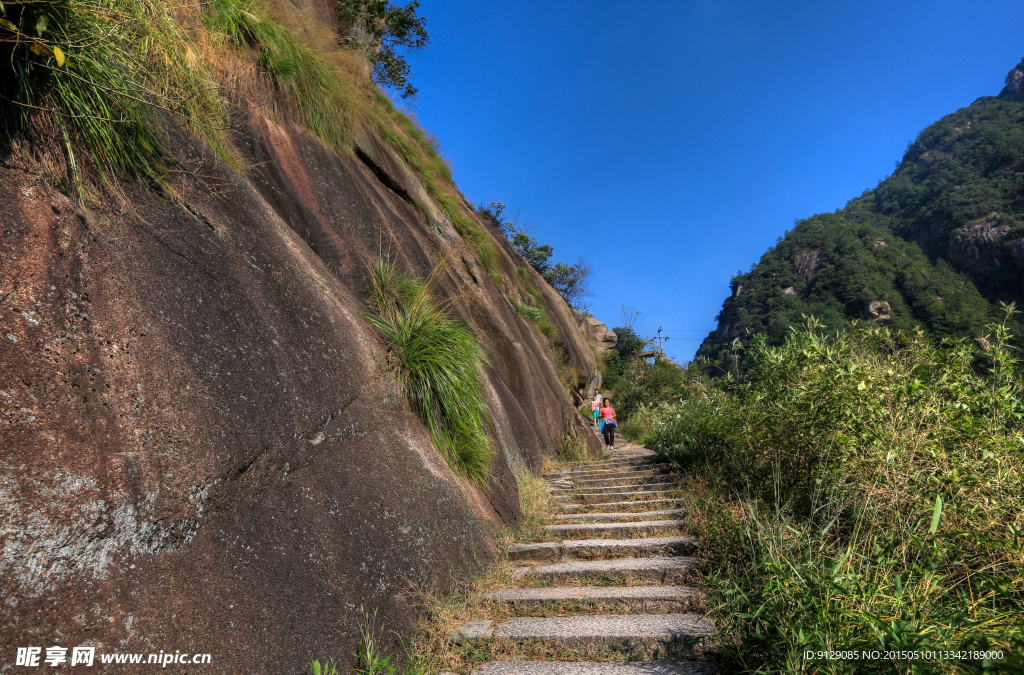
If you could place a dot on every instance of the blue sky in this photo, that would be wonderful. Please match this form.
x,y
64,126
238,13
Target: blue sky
x,y
671,143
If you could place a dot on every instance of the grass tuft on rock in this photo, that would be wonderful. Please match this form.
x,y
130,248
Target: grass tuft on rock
x,y
437,361
107,81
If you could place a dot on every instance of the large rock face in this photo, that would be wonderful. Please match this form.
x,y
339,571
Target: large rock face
x,y
202,448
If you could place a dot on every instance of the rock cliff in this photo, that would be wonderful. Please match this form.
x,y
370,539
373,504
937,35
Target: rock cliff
x,y
202,446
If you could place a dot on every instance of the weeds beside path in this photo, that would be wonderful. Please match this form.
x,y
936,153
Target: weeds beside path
x,y
861,494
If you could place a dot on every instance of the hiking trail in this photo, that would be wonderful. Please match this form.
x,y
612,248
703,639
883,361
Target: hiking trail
x,y
617,544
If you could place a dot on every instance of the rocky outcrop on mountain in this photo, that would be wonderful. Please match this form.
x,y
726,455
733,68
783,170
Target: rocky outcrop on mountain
x,y
602,337
807,265
1014,82
203,444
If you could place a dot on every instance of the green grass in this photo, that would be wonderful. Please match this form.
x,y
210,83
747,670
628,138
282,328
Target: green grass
x,y
129,77
136,71
370,660
536,313
861,491
437,362
571,448
324,667
314,90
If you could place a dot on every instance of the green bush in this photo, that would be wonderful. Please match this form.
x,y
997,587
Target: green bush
x,y
437,362
381,29
530,312
879,478
107,78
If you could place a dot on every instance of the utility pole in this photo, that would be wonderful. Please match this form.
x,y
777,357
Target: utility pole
x,y
661,342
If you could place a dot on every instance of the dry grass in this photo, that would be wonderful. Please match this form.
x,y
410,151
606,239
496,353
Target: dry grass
x,y
536,504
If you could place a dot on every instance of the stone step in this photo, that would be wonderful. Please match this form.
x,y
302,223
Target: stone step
x,y
580,509
668,570
612,475
643,635
609,473
595,668
627,599
636,528
649,469
611,465
640,479
611,497
622,516
610,488
591,549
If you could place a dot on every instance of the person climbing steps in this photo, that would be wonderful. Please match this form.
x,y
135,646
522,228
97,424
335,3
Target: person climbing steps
x,y
608,423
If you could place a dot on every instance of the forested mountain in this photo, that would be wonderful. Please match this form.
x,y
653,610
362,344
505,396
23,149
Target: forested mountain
x,y
937,245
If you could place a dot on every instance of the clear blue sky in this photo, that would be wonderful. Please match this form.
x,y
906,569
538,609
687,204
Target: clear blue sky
x,y
671,143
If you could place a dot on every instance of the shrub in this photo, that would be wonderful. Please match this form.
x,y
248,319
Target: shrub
x,y
437,361
106,77
532,313
879,478
571,448
380,30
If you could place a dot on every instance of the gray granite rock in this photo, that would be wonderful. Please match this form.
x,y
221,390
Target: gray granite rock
x,y
632,599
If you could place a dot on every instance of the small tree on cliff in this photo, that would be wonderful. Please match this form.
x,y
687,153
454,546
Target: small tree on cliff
x,y
381,29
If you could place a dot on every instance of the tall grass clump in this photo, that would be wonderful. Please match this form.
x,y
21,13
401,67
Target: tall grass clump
x,y
437,361
873,482
108,81
314,91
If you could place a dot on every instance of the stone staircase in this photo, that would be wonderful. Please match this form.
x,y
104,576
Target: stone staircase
x,y
616,540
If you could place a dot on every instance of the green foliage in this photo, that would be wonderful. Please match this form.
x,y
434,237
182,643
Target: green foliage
x,y
535,254
382,29
571,448
641,385
437,361
571,281
535,312
941,241
106,77
300,75
370,660
881,497
493,214
532,313
324,668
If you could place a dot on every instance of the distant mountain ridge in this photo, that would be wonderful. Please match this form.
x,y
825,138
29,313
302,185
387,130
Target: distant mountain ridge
x,y
937,245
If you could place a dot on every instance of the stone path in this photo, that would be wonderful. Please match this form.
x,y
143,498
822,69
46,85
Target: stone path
x,y
618,539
